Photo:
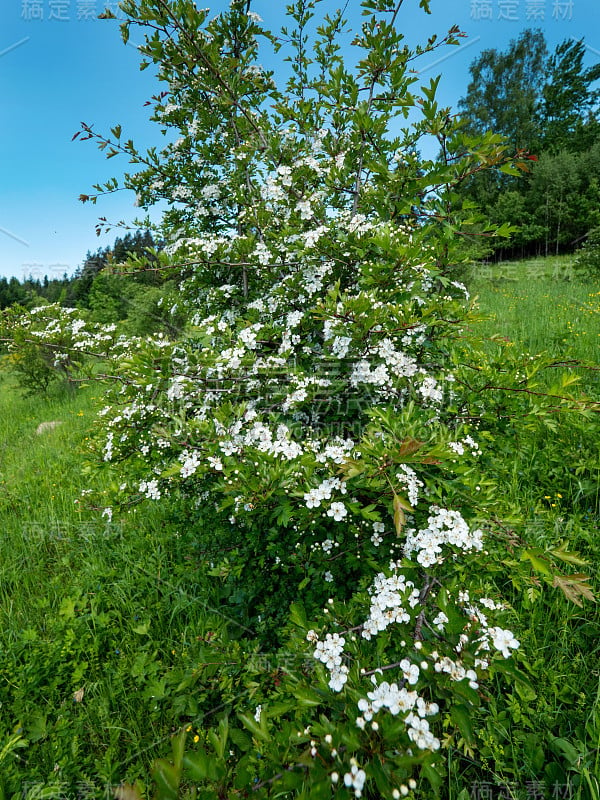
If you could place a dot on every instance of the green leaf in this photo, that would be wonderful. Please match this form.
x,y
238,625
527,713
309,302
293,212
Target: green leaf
x,y
433,776
178,749
13,743
507,667
307,697
67,608
567,556
255,729
167,778
382,777
219,740
352,469
142,629
37,728
508,169
199,765
564,748
240,739
463,689
538,563
462,719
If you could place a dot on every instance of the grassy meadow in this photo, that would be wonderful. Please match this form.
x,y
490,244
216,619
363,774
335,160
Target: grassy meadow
x,y
106,626
102,624
541,305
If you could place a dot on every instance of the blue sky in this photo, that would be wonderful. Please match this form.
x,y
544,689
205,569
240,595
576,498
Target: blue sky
x,y
60,65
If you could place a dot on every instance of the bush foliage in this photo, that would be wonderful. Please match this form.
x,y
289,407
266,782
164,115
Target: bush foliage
x,y
329,424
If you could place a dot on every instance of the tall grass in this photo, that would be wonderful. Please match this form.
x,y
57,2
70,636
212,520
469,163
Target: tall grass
x,y
544,306
541,313
102,625
109,630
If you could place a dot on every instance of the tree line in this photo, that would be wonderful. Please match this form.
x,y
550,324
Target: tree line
x,y
546,105
81,288
144,302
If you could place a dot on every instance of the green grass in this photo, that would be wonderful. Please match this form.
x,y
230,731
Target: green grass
x,y
111,635
111,611
524,303
553,475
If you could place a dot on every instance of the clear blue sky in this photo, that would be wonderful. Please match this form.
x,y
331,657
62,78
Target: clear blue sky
x,y
60,65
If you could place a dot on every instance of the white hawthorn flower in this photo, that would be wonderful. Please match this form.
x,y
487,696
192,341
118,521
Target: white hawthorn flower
x,y
338,511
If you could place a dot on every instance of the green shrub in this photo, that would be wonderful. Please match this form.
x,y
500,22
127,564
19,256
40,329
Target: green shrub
x,y
587,259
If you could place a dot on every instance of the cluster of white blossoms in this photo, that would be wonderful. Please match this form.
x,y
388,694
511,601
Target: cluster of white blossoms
x,y
107,452
398,700
336,451
329,652
383,375
62,327
355,779
503,640
468,443
385,695
376,537
408,478
337,511
418,731
246,358
191,462
444,527
430,390
276,443
314,497
455,669
150,489
391,597
396,600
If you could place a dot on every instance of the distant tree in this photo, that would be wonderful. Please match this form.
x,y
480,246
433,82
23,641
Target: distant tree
x,y
79,289
156,309
547,105
75,291
78,292
555,191
568,105
505,90
108,298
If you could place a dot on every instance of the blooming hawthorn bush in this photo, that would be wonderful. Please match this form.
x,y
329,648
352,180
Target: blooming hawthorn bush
x,y
49,342
312,420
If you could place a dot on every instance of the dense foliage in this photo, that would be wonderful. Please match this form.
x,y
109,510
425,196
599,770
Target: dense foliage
x,y
327,423
547,105
74,290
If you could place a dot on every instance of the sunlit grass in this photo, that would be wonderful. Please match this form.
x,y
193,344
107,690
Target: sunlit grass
x,y
100,622
107,628
555,316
